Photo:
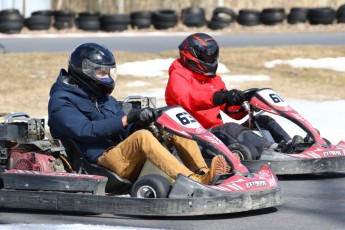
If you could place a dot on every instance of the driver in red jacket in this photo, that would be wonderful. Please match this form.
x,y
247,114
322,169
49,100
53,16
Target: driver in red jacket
x,y
194,85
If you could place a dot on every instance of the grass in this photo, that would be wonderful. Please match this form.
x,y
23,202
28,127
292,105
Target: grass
x,y
26,78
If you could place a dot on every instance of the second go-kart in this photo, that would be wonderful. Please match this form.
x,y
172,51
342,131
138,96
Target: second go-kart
x,y
41,174
314,154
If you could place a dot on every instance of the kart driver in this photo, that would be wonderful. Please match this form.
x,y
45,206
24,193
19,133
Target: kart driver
x,y
81,108
194,85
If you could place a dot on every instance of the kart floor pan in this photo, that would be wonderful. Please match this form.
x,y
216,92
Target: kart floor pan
x,y
299,166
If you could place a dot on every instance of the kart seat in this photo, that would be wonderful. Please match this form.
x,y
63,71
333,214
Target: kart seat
x,y
80,164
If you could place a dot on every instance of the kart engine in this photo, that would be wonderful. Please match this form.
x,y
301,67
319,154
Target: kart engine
x,y
34,161
23,146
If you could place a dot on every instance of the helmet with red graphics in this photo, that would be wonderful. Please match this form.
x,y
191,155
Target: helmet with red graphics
x,y
199,52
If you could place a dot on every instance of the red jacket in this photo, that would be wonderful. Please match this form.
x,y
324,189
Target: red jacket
x,y
194,92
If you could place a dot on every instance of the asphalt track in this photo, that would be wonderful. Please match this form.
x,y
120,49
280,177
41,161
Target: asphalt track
x,y
157,42
311,202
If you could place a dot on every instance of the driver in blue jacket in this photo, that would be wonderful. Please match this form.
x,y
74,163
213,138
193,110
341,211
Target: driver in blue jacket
x,y
81,108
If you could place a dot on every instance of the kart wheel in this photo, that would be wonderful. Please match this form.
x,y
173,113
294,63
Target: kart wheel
x,y
241,151
151,186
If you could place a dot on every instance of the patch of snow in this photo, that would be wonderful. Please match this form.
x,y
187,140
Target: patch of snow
x,y
336,64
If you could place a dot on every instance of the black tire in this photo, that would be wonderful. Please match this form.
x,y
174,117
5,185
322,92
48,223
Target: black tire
x,y
43,12
63,19
141,19
214,25
11,27
9,11
272,16
141,14
248,17
88,25
141,23
242,150
193,17
114,22
218,13
297,15
114,18
38,22
164,19
88,16
151,186
324,16
11,17
64,13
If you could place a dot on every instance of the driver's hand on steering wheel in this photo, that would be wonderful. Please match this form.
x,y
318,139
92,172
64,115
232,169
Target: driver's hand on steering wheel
x,y
230,97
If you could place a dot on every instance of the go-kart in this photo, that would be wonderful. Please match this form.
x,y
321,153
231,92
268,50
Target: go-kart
x,y
40,173
312,155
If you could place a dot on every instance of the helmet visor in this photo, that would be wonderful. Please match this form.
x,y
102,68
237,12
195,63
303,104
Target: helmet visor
x,y
208,54
97,71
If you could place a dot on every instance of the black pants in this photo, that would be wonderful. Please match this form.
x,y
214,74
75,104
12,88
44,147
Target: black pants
x,y
230,133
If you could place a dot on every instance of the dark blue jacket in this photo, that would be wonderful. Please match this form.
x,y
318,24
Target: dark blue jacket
x,y
95,124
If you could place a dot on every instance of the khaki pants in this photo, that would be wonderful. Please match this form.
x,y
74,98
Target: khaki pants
x,y
127,158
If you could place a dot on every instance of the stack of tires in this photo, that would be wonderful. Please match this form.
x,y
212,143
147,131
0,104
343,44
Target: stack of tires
x,y
323,15
88,21
272,16
297,15
141,19
221,17
11,21
39,20
341,14
63,19
193,17
114,22
164,19
248,17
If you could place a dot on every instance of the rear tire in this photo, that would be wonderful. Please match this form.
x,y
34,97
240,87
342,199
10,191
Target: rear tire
x,y
241,150
151,186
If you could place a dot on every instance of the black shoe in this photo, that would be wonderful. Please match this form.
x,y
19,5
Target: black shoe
x,y
290,146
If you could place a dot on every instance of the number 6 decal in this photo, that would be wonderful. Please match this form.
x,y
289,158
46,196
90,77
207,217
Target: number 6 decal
x,y
275,98
185,118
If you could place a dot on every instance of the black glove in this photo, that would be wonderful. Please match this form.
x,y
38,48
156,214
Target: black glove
x,y
231,98
144,116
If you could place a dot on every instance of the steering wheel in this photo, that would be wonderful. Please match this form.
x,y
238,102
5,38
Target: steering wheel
x,y
248,94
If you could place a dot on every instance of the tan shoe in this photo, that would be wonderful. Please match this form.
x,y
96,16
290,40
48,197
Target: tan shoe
x,y
202,179
218,166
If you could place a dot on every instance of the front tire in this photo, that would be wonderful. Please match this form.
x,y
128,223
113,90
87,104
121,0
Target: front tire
x,y
241,150
151,186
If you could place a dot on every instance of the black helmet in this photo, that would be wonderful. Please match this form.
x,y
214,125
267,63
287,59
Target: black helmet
x,y
200,52
83,62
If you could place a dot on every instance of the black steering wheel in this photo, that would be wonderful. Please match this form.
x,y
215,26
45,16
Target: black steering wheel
x,y
248,94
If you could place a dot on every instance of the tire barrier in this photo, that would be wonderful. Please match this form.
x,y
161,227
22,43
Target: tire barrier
x,y
247,17
39,20
88,21
193,17
141,19
272,16
11,21
341,14
164,19
114,22
63,19
323,15
297,15
221,18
